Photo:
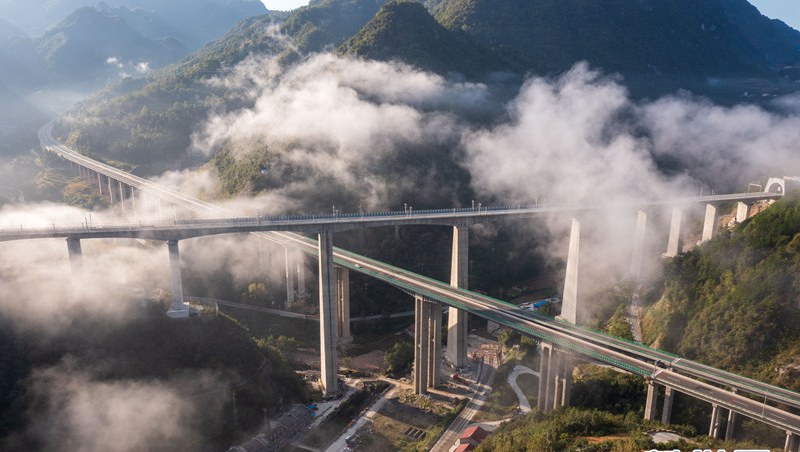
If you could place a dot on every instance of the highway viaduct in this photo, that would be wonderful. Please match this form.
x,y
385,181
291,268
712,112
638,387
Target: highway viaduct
x,y
560,338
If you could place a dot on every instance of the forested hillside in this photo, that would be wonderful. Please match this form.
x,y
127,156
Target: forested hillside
x,y
734,302
209,368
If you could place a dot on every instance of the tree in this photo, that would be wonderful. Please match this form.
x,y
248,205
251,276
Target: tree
x,y
399,358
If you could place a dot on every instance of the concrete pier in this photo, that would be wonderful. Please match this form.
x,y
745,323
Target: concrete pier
x,y
714,425
555,378
427,344
100,184
122,198
300,261
133,202
730,428
289,255
421,343
75,256
652,401
638,245
343,304
178,310
792,442
742,212
569,304
674,242
545,350
435,344
327,315
110,193
457,319
710,223
669,398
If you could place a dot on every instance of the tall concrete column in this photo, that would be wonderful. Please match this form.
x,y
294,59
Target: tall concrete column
x,y
457,319
652,401
421,343
792,442
99,184
288,254
545,352
569,304
669,398
674,242
638,245
122,198
75,256
713,428
327,315
742,212
300,261
133,202
178,308
435,344
110,193
343,304
730,428
556,382
710,223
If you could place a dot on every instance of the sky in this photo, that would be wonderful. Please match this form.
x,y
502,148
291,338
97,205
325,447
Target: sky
x,y
785,10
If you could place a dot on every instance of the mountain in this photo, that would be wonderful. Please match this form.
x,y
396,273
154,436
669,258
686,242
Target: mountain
x,y
92,42
20,65
647,37
328,23
196,21
732,303
151,120
405,31
776,42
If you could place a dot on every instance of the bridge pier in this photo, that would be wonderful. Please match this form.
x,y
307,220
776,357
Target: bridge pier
x,y
545,350
730,428
652,401
457,319
75,256
178,310
110,193
710,223
674,242
288,255
299,257
327,315
569,303
638,245
714,425
427,344
343,304
100,184
122,198
133,202
792,442
669,398
555,378
421,344
742,211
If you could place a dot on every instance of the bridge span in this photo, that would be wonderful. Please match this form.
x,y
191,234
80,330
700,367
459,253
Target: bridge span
x,y
561,340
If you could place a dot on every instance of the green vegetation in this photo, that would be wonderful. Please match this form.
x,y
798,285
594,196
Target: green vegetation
x,y
151,349
404,30
732,302
399,358
587,430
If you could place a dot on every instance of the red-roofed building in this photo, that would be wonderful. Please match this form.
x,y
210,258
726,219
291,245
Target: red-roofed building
x,y
464,448
472,436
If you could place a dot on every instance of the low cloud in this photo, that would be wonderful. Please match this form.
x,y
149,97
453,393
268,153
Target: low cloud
x,y
73,411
